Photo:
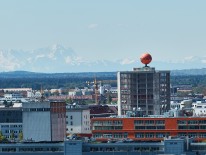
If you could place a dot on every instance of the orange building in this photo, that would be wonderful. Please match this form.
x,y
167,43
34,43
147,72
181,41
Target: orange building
x,y
148,128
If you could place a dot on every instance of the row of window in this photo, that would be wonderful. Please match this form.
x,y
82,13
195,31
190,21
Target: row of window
x,y
107,128
191,122
145,122
147,135
71,117
192,127
149,127
124,149
71,123
71,129
13,131
11,126
36,109
116,122
110,135
193,134
151,135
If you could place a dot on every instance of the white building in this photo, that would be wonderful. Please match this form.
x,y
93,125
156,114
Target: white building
x,y
183,104
87,91
75,92
17,89
36,121
12,96
199,109
77,121
34,94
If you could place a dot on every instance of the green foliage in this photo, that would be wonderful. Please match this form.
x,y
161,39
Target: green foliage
x,y
198,82
48,82
182,94
12,135
69,101
2,138
20,136
109,98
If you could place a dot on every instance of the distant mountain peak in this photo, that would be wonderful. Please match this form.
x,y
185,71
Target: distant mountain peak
x,y
57,47
58,58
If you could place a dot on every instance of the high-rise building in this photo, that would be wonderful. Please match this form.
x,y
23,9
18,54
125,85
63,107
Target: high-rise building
x,y
143,89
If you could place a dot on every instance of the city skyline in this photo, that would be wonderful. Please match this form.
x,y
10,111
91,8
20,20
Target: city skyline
x,y
173,32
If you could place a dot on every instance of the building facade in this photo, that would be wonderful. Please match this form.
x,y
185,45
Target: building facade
x,y
78,121
149,128
11,122
58,120
145,89
44,121
37,121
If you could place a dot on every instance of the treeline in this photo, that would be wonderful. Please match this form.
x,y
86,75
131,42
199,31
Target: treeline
x,y
21,79
49,83
194,80
198,82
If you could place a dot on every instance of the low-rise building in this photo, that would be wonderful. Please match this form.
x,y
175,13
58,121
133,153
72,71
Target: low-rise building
x,y
11,122
154,128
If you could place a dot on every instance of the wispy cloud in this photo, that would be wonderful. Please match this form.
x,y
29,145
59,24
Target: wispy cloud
x,y
92,26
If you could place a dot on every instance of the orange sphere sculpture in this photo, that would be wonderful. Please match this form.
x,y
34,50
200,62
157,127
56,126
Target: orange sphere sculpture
x,y
146,58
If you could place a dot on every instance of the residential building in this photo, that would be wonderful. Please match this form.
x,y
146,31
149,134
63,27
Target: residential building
x,y
199,109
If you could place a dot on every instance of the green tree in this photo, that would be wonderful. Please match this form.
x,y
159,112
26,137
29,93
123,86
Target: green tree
x,y
2,138
20,136
109,98
182,94
56,93
69,101
12,135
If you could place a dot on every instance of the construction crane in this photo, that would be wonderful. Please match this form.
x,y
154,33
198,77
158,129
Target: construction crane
x,y
95,82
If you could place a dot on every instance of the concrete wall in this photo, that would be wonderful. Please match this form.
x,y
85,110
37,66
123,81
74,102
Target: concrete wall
x,y
73,148
36,124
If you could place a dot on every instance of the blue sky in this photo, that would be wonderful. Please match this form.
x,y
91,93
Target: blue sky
x,y
108,29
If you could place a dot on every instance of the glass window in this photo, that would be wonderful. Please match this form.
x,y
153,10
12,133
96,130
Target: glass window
x,y
139,135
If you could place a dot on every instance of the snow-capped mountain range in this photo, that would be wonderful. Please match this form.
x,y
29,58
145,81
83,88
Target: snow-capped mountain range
x,y
58,59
